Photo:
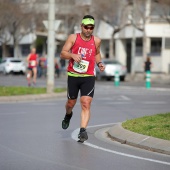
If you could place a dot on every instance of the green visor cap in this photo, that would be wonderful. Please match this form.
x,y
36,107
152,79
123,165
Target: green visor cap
x,y
88,21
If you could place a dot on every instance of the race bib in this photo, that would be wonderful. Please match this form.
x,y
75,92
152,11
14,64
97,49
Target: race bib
x,y
33,63
81,67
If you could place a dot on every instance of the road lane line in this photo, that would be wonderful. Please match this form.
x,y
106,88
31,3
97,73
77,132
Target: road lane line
x,y
125,97
154,102
75,134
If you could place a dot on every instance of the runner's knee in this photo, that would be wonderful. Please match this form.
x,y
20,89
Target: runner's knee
x,y
71,103
85,104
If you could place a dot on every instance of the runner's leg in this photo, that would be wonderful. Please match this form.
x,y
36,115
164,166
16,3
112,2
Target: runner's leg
x,y
69,105
85,113
72,93
29,75
34,74
87,92
85,116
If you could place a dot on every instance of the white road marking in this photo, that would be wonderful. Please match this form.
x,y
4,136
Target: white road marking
x,y
44,104
154,102
75,134
13,113
124,98
119,103
119,98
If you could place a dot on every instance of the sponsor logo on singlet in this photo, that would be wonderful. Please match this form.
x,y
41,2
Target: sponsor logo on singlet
x,y
86,52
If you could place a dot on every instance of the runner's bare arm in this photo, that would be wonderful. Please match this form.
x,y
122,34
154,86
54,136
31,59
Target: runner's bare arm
x,y
28,57
65,53
98,55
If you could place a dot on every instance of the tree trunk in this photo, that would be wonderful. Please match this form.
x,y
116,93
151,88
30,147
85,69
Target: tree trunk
x,y
144,45
4,51
146,21
111,48
16,51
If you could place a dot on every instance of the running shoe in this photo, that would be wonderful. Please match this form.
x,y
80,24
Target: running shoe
x,y
82,136
66,121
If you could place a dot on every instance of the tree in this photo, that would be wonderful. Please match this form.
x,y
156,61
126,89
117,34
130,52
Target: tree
x,y
18,22
163,8
114,12
4,34
144,11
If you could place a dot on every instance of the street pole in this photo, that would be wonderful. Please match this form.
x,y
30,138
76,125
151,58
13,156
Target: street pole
x,y
51,47
146,46
133,51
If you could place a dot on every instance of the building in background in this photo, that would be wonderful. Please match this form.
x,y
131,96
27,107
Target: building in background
x,y
152,25
157,32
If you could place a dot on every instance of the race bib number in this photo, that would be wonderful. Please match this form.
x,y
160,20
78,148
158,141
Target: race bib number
x,y
81,67
33,63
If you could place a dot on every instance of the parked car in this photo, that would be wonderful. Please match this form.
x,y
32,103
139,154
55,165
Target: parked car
x,y
12,65
111,66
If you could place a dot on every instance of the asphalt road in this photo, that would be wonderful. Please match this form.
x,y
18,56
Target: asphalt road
x,y
20,80
31,137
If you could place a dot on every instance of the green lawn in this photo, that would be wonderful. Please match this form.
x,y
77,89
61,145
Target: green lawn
x,y
156,126
12,91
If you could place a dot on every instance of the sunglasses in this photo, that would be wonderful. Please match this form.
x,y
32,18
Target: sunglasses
x,y
87,27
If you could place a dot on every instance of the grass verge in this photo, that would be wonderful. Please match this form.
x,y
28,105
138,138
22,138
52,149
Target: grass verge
x,y
156,126
13,91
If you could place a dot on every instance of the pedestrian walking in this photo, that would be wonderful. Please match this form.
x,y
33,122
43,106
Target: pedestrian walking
x,y
147,65
62,64
32,67
57,69
83,52
40,68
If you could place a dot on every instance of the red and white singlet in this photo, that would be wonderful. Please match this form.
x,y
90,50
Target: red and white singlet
x,y
32,61
87,49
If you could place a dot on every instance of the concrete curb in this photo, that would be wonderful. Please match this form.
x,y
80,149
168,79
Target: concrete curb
x,y
31,97
118,133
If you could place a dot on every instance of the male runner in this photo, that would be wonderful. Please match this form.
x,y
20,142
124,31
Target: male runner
x,y
83,52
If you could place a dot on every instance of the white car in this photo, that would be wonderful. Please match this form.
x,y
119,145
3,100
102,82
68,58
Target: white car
x,y
12,65
111,67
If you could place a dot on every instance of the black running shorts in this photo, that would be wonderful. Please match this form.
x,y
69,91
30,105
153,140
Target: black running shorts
x,y
84,84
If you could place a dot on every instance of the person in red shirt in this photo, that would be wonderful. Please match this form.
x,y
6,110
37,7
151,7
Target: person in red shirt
x,y
32,67
83,52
